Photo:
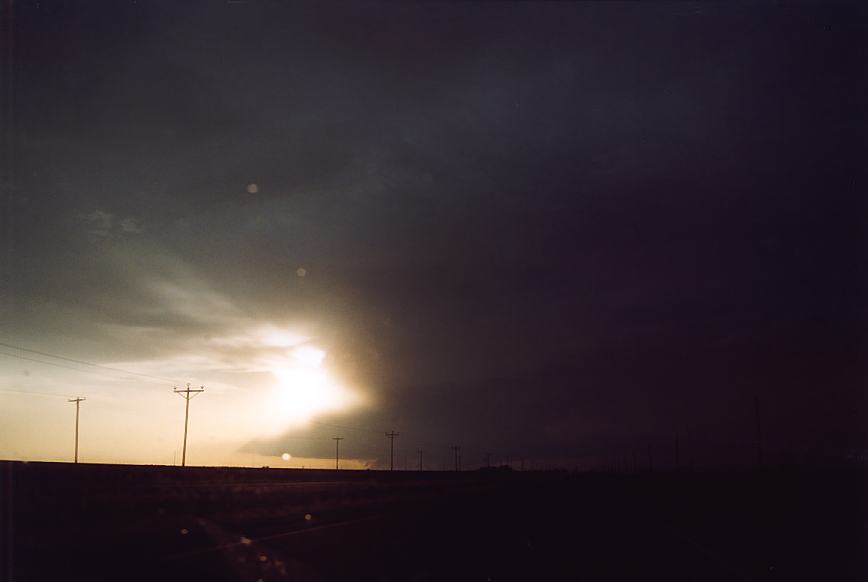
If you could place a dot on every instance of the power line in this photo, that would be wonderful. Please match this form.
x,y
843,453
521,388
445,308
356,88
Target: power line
x,y
37,393
65,367
55,364
426,443
76,361
332,425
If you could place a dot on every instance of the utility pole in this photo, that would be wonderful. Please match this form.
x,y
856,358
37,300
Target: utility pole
x,y
677,452
78,400
391,435
187,394
759,436
337,451
420,451
455,449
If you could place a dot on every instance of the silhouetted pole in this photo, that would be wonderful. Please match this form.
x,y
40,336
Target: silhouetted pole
x,y
455,449
488,460
677,452
187,394
650,460
420,458
78,400
391,436
759,436
337,451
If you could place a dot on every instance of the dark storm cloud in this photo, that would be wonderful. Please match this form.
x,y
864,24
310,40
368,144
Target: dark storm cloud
x,y
604,220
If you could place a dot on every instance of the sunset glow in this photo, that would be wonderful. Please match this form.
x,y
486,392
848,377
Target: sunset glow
x,y
305,388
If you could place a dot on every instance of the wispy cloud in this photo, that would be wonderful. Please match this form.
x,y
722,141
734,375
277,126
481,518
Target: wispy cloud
x,y
105,225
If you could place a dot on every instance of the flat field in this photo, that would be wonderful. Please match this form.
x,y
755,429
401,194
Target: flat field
x,y
99,522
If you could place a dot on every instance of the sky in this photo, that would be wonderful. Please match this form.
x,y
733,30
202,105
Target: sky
x,y
559,233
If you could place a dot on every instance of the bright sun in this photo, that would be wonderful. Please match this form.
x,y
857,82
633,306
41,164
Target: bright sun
x,y
305,388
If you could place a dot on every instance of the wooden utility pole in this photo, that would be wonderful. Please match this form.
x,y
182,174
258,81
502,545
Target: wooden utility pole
x,y
337,451
391,435
78,400
455,450
420,451
759,434
187,394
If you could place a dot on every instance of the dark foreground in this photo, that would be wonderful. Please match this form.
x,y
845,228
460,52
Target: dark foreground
x,y
94,522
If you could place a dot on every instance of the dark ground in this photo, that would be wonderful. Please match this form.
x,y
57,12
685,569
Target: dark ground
x,y
93,522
